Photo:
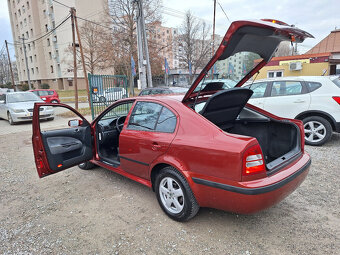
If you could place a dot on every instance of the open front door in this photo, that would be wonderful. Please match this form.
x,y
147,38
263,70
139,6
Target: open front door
x,y
62,143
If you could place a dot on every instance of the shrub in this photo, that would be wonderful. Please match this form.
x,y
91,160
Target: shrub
x,y
45,86
24,87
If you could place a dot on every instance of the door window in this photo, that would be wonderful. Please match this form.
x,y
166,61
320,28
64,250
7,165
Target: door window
x,y
118,110
147,116
259,89
285,88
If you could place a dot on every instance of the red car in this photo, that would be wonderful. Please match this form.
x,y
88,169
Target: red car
x,y
206,149
48,95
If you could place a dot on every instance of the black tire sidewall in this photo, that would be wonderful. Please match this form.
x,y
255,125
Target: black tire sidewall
x,y
10,119
326,124
185,214
86,165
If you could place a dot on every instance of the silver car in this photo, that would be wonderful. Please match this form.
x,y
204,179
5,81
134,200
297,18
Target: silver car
x,y
18,106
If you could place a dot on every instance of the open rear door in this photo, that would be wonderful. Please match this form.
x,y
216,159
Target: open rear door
x,y
58,148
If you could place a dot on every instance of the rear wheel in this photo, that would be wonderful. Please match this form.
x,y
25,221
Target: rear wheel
x,y
86,165
175,195
10,119
317,130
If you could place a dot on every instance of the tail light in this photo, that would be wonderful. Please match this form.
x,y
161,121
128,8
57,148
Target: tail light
x,y
337,99
253,162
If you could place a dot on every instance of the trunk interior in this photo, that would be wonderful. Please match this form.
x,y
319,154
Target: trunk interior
x,y
279,141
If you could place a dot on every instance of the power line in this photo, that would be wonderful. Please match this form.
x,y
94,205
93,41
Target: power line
x,y
224,11
62,4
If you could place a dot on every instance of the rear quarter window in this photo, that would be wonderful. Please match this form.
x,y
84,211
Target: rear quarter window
x,y
313,85
336,82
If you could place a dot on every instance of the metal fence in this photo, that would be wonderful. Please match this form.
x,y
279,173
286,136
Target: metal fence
x,y
104,90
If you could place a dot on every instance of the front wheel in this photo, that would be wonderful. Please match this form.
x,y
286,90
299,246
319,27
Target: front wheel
x,y
175,195
10,119
317,130
86,165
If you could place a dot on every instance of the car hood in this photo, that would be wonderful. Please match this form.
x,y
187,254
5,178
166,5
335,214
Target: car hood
x,y
258,36
23,105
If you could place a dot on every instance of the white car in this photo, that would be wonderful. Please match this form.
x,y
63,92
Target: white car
x,y
313,99
18,106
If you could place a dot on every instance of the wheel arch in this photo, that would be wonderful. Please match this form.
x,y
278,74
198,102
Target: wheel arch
x,y
165,162
322,114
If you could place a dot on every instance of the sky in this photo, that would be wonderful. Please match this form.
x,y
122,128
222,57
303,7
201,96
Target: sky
x,y
317,17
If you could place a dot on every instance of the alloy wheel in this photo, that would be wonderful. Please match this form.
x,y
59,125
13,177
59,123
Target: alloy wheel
x,y
171,195
315,131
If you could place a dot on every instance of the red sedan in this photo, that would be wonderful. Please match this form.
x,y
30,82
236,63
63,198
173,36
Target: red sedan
x,y
48,95
207,148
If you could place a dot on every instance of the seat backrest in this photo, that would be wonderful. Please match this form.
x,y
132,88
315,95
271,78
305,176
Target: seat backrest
x,y
223,107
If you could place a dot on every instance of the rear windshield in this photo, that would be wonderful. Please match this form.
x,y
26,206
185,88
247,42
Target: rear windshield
x,y
337,81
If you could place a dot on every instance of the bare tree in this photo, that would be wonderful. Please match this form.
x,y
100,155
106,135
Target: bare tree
x,y
124,43
194,38
284,49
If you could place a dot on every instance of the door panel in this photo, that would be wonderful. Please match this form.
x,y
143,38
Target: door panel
x,y
287,99
58,149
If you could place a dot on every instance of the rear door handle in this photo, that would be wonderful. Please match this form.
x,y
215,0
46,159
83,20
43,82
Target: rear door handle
x,y
155,146
299,101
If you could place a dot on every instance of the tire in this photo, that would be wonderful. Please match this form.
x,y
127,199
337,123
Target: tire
x,y
86,165
102,99
178,201
317,130
52,118
54,102
10,120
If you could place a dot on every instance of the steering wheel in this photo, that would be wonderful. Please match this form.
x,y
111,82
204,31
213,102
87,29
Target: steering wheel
x,y
120,123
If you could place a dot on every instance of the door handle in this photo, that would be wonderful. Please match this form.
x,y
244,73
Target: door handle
x,y
299,101
155,146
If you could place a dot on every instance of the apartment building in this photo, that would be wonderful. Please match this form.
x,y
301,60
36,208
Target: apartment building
x,y
50,59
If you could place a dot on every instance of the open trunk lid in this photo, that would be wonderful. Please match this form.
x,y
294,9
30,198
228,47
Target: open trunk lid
x,y
258,36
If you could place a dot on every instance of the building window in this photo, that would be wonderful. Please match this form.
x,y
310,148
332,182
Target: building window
x,y
29,18
51,69
33,44
46,27
70,83
48,42
50,55
37,70
29,46
21,24
19,12
28,5
31,32
25,22
32,69
35,58
27,35
273,74
31,59
23,9
44,12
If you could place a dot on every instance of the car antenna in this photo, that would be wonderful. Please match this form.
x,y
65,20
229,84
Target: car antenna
x,y
254,79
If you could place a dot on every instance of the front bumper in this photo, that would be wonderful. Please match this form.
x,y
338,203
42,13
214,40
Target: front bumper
x,y
27,116
251,196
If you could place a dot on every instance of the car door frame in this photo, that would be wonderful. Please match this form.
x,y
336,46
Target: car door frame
x,y
40,145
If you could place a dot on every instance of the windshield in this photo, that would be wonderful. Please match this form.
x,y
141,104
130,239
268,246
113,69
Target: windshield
x,y
22,97
179,90
337,81
228,72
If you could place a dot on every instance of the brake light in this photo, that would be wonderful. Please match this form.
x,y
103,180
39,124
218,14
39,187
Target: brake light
x,y
276,21
337,99
253,161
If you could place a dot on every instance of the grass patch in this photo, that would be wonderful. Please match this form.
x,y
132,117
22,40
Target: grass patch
x,y
70,114
70,93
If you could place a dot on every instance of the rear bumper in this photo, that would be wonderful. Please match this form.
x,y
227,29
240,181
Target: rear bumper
x,y
252,196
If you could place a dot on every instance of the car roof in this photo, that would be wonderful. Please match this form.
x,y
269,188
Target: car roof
x,y
295,78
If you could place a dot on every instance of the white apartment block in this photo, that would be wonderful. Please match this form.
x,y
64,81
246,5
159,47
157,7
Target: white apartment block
x,y
49,58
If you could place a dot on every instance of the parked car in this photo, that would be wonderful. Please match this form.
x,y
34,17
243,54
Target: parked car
x,y
313,99
215,84
48,95
163,90
111,94
18,106
230,156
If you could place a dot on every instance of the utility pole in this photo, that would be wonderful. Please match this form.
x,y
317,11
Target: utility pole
x,y
72,11
27,69
10,66
146,48
82,59
142,45
213,40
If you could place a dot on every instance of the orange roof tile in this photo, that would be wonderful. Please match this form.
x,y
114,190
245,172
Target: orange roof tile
x,y
330,43
304,56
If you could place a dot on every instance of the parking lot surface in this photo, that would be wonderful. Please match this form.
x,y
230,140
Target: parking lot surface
x,y
100,212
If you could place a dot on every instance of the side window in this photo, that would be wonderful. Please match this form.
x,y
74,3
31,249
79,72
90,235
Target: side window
x,y
43,93
259,89
167,121
118,110
36,92
144,92
144,116
3,97
50,92
313,85
147,116
285,88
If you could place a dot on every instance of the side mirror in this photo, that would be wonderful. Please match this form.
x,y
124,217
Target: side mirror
x,y
75,123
